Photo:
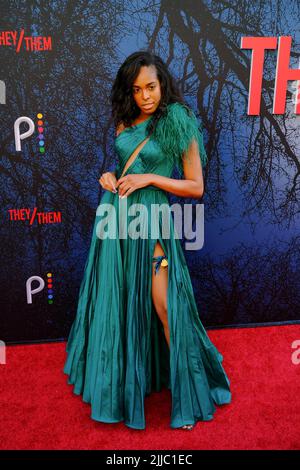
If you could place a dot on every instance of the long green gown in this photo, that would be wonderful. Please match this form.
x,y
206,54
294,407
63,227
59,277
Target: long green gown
x,y
117,352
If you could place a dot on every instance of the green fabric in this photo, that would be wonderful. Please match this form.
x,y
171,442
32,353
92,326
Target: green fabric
x,y
175,132
117,353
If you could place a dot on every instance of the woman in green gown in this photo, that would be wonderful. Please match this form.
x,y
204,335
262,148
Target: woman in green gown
x,y
137,327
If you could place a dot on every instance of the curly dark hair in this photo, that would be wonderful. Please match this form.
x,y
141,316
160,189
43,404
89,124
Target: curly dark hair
x,y
124,108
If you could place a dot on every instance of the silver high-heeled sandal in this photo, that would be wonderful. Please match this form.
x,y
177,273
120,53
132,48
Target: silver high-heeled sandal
x,y
188,427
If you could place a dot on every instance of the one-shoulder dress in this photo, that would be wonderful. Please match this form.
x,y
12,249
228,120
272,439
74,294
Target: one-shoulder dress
x,y
117,353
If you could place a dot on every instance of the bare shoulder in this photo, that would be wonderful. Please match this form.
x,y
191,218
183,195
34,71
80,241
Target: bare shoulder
x,y
120,128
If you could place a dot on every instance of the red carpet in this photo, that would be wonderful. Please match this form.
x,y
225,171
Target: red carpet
x,y
39,410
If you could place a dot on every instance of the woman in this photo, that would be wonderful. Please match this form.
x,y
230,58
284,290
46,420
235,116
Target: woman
x,y
137,326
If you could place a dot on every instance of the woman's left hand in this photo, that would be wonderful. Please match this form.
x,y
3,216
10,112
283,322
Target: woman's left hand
x,y
129,183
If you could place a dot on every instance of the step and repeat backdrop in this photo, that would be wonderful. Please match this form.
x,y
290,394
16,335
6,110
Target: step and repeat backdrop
x,y
238,67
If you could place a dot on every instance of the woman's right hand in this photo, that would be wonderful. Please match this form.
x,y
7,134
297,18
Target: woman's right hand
x,y
108,181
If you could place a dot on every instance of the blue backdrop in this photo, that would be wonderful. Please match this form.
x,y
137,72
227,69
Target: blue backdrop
x,y
58,62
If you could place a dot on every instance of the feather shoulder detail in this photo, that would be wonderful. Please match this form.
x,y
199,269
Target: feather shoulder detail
x,y
176,130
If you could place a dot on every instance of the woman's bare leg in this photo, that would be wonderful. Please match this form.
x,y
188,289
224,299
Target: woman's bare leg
x,y
160,298
159,291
